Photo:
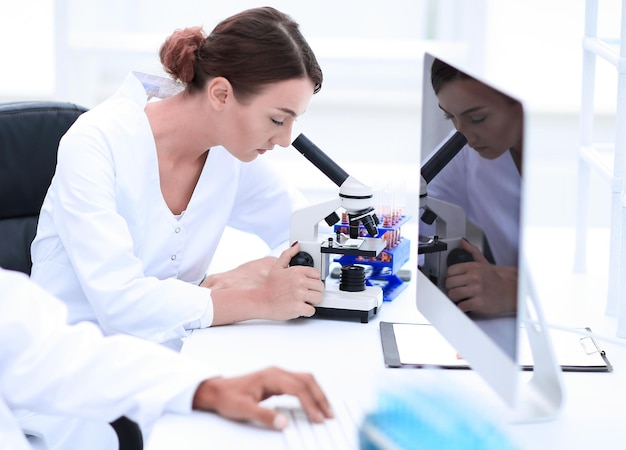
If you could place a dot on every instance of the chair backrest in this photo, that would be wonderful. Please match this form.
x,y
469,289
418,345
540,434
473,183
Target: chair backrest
x,y
29,139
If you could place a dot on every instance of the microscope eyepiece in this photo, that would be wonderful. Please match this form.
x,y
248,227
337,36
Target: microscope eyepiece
x,y
443,156
320,160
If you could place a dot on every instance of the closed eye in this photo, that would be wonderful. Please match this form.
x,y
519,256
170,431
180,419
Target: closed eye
x,y
277,122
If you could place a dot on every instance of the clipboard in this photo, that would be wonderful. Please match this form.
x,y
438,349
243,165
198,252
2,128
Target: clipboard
x,y
415,345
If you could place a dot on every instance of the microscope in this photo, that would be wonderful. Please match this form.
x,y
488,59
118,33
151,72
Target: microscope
x,y
351,297
449,219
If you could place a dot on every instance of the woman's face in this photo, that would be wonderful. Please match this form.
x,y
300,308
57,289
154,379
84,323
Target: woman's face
x,y
491,122
266,119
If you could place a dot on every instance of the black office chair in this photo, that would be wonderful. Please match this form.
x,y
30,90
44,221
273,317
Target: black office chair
x,y
29,138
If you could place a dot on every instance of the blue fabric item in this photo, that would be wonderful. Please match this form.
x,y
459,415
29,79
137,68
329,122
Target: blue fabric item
x,y
417,418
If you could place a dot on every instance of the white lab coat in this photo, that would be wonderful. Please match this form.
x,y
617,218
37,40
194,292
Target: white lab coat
x,y
489,191
110,248
52,368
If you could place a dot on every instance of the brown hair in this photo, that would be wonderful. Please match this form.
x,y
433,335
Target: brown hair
x,y
442,73
250,49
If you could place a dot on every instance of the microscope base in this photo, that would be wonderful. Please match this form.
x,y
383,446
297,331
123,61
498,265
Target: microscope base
x,y
338,304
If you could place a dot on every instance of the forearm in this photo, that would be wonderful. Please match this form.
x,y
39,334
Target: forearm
x,y
160,312
37,340
248,275
509,277
236,305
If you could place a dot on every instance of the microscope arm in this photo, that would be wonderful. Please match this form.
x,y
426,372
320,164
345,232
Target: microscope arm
x,y
451,221
304,222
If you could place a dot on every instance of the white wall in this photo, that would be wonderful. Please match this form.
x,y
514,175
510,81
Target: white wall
x,y
26,49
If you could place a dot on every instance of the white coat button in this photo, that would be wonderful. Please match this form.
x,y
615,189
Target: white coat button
x,y
177,230
173,257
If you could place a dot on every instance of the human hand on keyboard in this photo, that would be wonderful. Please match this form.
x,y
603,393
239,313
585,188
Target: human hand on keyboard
x,y
238,398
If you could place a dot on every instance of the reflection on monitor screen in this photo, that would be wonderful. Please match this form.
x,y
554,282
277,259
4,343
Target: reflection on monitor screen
x,y
469,278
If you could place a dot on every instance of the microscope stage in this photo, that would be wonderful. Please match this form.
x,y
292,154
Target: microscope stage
x,y
342,304
369,247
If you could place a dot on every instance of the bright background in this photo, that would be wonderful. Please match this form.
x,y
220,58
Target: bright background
x,y
368,111
367,116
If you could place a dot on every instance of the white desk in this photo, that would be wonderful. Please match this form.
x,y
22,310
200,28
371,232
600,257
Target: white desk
x,y
347,356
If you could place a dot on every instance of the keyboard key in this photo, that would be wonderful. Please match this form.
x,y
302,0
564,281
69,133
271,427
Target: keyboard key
x,y
340,432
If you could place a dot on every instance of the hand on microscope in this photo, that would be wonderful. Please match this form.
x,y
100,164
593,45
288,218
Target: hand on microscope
x,y
278,292
481,287
248,275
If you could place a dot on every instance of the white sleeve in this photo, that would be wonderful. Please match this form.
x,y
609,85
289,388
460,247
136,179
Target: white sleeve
x,y
50,367
101,249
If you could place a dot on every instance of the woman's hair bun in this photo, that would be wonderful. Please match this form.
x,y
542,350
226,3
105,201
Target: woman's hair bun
x,y
178,53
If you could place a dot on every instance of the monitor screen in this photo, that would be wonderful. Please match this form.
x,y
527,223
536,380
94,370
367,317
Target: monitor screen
x,y
469,259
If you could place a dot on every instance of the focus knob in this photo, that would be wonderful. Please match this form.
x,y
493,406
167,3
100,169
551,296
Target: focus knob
x,y
302,259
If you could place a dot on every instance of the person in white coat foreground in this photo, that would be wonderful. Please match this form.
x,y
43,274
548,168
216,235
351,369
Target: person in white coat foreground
x,y
51,367
143,190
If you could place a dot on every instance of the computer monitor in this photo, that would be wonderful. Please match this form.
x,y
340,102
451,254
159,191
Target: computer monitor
x,y
475,195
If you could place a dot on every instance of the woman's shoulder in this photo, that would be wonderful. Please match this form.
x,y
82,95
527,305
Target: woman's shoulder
x,y
122,110
112,114
115,123
116,131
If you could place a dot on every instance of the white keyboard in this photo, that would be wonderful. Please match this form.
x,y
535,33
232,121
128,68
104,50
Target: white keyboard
x,y
340,432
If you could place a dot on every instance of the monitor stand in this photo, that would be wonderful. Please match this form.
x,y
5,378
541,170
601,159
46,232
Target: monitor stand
x,y
543,396
538,399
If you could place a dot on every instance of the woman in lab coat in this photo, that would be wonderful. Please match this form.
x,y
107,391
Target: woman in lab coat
x,y
484,178
144,189
50,367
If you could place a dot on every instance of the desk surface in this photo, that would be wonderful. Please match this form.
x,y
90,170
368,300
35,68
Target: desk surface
x,y
347,357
